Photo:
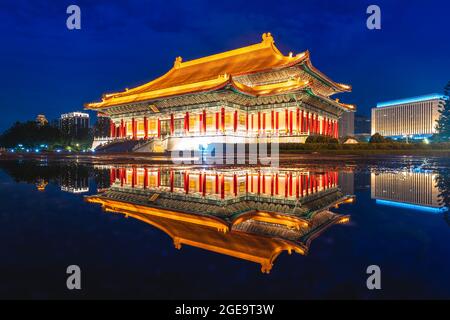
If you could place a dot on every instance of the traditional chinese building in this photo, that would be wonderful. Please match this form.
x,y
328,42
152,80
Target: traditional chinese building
x,y
248,214
239,96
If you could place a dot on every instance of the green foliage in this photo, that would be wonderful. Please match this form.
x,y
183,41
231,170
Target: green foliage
x,y
321,139
377,138
30,134
443,124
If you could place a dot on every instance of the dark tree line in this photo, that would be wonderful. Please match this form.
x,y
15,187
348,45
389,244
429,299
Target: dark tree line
x,y
30,134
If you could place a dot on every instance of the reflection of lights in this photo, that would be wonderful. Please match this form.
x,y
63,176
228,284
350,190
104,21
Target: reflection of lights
x,y
411,206
344,220
426,141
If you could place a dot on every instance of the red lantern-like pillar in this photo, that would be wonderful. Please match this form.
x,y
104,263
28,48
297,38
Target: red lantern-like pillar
x,y
145,128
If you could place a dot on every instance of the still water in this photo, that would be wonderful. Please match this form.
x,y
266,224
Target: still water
x,y
304,231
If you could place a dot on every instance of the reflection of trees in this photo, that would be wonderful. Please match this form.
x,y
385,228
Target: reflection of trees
x,y
443,184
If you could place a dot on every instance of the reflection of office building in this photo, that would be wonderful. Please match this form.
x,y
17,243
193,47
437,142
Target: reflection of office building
x,y
74,180
408,189
347,125
248,214
347,182
413,118
75,124
236,96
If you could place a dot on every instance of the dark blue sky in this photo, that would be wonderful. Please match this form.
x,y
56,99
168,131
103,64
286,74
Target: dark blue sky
x,y
48,69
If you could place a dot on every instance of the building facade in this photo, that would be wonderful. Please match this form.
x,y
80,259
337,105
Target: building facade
x,y
407,118
347,125
74,124
239,96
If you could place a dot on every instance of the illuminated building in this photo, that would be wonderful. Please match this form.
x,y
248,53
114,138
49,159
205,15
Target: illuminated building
x,y
41,120
415,190
74,124
247,95
407,118
248,214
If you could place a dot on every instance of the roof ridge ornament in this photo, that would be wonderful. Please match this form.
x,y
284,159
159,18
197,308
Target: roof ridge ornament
x,y
267,38
178,61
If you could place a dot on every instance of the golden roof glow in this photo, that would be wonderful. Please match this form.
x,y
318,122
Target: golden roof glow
x,y
212,72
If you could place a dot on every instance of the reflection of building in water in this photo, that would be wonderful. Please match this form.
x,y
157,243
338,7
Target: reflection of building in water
x,y
41,184
409,189
347,181
74,180
248,214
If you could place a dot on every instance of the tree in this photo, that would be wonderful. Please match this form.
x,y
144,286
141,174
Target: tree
x,y
443,124
377,138
29,134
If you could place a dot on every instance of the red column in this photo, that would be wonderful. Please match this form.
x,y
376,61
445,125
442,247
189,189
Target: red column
x,y
121,129
291,121
246,122
272,121
246,183
337,129
204,185
217,183
200,183
133,128
235,121
133,177
217,122
204,121
302,184
112,176
159,128
200,123
223,119
222,187
263,183
235,186
111,129
259,182
307,122
271,185
264,122
277,121
302,123
171,180
297,186
276,183
286,121
259,122
298,120
172,124
145,128
145,178
286,185
186,122
290,184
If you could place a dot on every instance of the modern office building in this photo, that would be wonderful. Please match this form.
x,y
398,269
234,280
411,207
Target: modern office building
x,y
407,118
247,95
75,124
407,189
347,125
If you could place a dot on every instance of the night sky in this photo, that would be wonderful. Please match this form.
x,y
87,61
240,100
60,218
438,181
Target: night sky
x,y
49,69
